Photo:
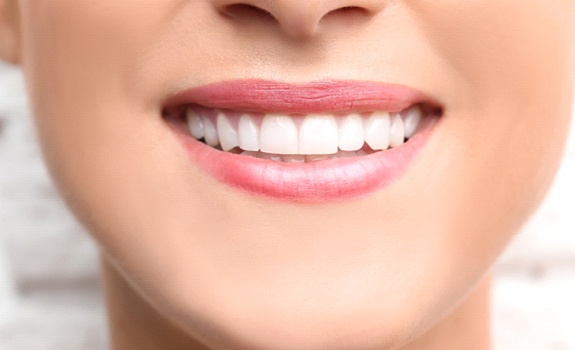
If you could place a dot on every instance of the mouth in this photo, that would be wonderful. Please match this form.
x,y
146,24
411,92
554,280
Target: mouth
x,y
318,142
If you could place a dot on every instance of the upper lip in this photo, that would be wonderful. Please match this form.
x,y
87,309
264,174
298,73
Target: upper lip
x,y
267,96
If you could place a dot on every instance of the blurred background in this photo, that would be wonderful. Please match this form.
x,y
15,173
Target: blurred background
x,y
49,294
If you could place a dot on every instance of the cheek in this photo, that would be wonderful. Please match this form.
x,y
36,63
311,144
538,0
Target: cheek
x,y
504,53
510,115
74,48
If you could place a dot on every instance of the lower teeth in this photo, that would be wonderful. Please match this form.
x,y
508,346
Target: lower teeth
x,y
298,158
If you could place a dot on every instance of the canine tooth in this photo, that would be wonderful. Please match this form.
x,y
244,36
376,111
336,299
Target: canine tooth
x,y
396,131
210,133
351,133
248,134
195,124
279,135
318,135
377,131
411,120
226,132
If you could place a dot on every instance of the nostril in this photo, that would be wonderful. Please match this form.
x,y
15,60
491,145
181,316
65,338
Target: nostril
x,y
247,12
348,12
299,18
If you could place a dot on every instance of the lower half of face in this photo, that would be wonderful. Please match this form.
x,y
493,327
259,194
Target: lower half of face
x,y
294,175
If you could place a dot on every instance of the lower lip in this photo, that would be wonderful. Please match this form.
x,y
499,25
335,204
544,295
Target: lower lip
x,y
323,181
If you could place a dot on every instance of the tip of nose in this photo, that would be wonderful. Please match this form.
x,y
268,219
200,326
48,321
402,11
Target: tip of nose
x,y
308,24
299,28
300,20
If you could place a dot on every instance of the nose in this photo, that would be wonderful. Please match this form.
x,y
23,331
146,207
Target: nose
x,y
301,18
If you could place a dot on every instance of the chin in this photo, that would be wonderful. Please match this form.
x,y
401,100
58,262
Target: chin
x,y
373,313
319,327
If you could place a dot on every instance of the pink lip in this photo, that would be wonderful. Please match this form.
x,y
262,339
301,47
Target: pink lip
x,y
323,96
324,181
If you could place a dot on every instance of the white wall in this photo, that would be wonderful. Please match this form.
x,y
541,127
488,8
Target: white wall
x,y
50,262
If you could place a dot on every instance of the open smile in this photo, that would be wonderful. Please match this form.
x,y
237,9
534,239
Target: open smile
x,y
324,141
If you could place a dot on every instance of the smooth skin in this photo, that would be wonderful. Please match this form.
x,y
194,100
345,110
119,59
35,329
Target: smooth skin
x,y
190,263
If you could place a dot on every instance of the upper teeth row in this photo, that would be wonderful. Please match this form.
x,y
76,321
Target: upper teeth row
x,y
315,134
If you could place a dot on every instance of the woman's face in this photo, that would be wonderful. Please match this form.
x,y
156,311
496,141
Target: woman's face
x,y
240,250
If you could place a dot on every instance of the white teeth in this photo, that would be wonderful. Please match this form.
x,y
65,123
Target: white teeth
x,y
411,121
280,139
226,132
377,131
279,135
210,133
248,133
397,132
351,133
195,124
318,134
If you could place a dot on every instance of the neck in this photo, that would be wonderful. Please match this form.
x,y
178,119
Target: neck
x,y
134,324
